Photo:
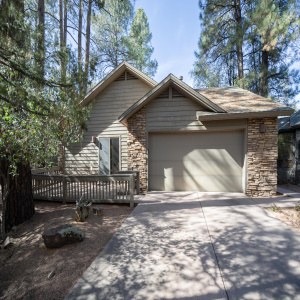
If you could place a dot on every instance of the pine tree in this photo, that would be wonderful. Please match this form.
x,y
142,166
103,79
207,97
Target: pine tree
x,y
33,104
116,40
139,44
247,44
111,27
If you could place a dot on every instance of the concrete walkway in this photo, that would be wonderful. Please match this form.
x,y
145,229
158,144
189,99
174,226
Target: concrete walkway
x,y
196,246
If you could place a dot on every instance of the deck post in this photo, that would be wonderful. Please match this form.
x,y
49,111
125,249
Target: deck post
x,y
138,182
131,189
64,190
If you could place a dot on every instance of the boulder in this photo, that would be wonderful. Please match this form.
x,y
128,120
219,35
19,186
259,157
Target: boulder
x,y
62,235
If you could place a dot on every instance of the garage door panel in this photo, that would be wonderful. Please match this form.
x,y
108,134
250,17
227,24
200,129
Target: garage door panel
x,y
202,183
193,168
186,154
196,161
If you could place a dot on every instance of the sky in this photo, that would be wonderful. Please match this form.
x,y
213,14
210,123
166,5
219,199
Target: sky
x,y
175,28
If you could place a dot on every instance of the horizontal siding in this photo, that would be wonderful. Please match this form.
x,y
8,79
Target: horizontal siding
x,y
179,114
176,113
83,157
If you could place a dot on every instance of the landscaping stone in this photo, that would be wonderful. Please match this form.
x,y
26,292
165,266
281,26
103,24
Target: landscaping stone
x,y
62,235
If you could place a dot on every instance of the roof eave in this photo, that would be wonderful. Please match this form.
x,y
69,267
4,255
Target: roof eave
x,y
243,115
181,86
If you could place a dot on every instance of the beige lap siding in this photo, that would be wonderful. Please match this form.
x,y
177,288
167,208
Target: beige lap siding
x,y
137,146
262,158
83,157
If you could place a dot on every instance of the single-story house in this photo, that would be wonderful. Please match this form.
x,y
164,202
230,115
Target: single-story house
x,y
288,163
180,139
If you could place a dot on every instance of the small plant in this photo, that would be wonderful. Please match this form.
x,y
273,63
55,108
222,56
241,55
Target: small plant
x,y
275,208
71,232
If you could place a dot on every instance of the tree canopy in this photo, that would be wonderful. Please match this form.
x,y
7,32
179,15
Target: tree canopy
x,y
251,44
47,62
121,34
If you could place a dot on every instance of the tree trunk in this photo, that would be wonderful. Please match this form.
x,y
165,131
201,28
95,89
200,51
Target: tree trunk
x,y
239,41
65,22
79,45
263,76
61,22
63,14
18,204
87,46
41,37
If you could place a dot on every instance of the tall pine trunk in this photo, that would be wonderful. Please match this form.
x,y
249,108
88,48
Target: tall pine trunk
x,y
41,37
79,46
17,196
263,76
63,23
87,46
239,41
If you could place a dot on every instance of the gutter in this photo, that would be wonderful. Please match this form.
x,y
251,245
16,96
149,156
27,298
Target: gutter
x,y
204,116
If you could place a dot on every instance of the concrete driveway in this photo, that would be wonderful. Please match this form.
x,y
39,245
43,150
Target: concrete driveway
x,y
196,246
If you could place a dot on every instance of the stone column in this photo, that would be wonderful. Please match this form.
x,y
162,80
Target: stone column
x,y
262,157
137,146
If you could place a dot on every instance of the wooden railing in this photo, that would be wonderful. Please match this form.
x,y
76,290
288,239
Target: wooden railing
x,y
99,189
136,174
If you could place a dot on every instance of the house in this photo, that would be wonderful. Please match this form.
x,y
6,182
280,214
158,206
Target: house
x,y
180,139
288,165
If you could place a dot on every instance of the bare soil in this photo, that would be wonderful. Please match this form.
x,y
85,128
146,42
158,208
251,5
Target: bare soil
x,y
24,267
291,215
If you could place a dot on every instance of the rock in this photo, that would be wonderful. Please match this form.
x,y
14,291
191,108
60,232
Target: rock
x,y
98,211
62,235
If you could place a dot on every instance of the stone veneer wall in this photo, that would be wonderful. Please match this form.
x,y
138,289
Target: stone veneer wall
x,y
262,158
137,146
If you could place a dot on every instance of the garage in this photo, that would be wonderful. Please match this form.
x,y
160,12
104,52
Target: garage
x,y
207,162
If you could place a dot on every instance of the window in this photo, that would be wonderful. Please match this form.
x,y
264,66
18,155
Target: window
x,y
109,155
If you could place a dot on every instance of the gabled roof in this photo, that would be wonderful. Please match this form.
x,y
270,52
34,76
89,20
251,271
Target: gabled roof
x,y
240,103
113,75
181,87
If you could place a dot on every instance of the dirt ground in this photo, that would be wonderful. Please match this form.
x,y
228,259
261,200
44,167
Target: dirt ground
x,y
290,216
24,268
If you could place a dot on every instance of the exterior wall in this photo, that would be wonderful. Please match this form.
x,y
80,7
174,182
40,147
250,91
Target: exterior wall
x,y
83,157
137,146
262,158
168,112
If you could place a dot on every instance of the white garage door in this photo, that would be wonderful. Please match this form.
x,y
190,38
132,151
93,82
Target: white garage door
x,y
208,162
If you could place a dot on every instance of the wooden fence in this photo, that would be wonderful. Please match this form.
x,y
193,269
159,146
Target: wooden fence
x,y
99,189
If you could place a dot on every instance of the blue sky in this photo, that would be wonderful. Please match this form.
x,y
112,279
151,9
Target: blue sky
x,y
175,28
